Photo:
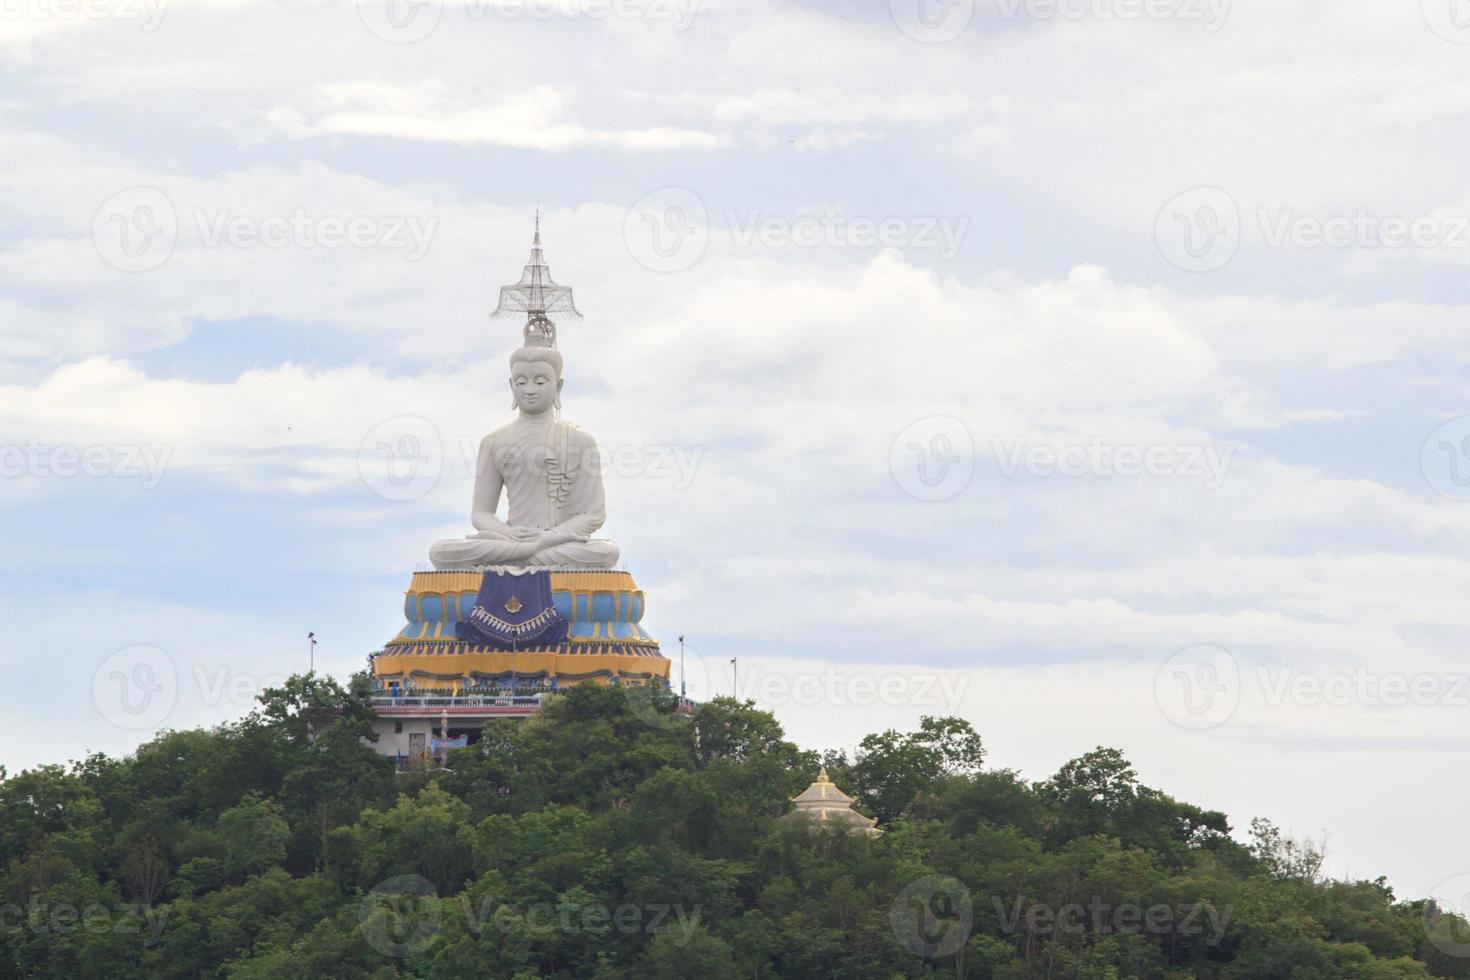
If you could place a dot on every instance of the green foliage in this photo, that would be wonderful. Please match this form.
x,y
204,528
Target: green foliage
x,y
610,837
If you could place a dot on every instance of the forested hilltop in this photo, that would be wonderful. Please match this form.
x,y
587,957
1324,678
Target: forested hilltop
x,y
612,839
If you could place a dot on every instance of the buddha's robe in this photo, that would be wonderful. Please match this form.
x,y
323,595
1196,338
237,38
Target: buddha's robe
x,y
550,472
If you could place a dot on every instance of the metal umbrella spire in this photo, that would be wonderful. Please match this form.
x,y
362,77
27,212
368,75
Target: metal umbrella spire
x,y
537,295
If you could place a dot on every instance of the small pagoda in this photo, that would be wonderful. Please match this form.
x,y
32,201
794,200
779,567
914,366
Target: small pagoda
x,y
822,804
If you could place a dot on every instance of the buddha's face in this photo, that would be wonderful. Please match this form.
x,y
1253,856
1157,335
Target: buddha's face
x,y
535,386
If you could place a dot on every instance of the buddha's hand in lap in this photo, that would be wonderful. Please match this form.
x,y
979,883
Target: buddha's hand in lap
x,y
551,539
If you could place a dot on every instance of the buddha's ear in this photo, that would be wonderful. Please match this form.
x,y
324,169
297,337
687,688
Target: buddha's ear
x,y
559,383
512,383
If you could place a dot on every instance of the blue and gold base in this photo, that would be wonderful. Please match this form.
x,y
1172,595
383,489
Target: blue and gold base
x,y
604,642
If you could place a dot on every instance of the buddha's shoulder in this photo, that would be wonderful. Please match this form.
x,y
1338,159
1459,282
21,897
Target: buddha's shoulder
x,y
576,435
515,432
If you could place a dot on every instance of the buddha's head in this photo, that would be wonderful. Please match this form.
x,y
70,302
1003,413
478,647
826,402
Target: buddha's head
x,y
535,379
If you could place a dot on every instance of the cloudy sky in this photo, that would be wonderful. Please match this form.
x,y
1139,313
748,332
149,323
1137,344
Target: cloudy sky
x,y
1094,369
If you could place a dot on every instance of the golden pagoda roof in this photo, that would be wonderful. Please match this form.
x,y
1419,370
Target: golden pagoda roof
x,y
822,802
822,791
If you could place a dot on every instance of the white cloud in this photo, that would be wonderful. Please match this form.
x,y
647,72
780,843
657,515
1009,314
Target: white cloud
x,y
536,118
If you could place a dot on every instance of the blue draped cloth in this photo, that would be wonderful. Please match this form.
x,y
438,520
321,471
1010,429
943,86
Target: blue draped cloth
x,y
513,611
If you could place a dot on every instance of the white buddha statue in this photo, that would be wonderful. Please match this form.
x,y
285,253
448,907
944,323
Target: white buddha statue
x,y
550,472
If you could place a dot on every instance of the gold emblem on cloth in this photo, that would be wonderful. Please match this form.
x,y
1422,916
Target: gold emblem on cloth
x,y
514,605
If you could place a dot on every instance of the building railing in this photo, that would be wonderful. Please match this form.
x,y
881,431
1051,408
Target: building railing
x,y
434,702
457,701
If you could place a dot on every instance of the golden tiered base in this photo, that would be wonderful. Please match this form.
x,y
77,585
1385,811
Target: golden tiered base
x,y
604,638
